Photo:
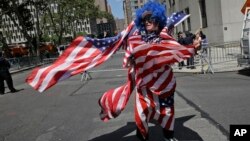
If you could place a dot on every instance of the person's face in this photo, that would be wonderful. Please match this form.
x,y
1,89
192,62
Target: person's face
x,y
197,35
150,24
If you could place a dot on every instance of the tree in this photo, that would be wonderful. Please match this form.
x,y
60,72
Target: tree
x,y
62,21
68,13
40,7
13,9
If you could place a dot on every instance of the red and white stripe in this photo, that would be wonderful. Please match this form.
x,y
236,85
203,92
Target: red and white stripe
x,y
154,79
81,55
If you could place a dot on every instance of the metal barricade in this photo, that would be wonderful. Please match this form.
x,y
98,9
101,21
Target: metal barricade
x,y
218,55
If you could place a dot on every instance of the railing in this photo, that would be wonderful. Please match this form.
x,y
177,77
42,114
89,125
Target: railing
x,y
216,55
219,53
19,63
219,56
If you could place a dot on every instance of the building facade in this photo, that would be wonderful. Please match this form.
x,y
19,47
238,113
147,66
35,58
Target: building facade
x,y
120,25
103,24
130,7
220,20
89,26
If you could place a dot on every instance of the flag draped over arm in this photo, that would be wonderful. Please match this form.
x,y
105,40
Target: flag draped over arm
x,y
85,53
82,54
151,66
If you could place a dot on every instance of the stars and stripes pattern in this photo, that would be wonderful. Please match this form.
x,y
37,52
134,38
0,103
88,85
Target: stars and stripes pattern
x,y
103,44
154,81
82,54
151,74
176,18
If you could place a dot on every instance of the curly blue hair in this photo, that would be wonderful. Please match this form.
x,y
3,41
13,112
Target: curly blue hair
x,y
158,14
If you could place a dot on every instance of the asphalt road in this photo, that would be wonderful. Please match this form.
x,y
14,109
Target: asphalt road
x,y
221,97
205,107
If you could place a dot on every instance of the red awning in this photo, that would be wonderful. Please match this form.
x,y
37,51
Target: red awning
x,y
247,4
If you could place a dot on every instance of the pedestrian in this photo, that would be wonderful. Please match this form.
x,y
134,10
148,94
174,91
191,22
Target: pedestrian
x,y
5,75
155,83
197,42
181,40
189,40
150,52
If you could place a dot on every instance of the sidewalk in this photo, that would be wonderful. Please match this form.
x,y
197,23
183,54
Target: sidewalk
x,y
217,67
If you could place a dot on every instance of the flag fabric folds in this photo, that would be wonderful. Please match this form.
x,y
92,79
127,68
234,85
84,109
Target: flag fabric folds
x,y
82,54
152,71
153,78
176,18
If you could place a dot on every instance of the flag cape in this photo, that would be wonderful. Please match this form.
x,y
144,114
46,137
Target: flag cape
x,y
85,53
82,54
150,59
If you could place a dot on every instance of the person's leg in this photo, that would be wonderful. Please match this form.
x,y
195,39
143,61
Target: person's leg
x,y
141,115
2,86
9,82
167,117
192,62
181,64
188,63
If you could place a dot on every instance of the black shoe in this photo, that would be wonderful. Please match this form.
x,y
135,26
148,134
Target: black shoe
x,y
1,93
13,91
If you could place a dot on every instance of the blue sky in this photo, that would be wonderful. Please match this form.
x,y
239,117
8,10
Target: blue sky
x,y
117,10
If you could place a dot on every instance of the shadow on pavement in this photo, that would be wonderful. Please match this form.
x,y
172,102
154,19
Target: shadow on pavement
x,y
155,132
183,133
245,72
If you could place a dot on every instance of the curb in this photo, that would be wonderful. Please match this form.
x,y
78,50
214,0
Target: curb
x,y
24,69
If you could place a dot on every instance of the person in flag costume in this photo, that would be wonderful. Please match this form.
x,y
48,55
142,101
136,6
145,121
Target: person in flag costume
x,y
150,52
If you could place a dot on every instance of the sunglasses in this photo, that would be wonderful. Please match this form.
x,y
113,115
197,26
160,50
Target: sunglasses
x,y
149,19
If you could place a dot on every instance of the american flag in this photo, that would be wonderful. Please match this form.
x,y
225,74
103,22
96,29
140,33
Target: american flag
x,y
82,54
152,75
154,80
176,18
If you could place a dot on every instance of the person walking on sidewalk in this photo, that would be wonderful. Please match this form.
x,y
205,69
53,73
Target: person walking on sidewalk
x,y
189,40
181,40
5,75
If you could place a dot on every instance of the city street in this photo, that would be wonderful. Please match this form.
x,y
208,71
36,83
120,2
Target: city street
x,y
206,104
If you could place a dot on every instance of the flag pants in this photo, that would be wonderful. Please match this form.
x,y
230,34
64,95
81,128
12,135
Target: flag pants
x,y
150,106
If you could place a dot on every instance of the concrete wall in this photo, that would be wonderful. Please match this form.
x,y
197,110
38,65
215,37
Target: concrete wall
x,y
232,19
224,19
214,30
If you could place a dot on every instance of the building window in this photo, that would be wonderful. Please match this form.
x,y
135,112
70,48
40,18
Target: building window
x,y
203,13
183,26
188,19
171,3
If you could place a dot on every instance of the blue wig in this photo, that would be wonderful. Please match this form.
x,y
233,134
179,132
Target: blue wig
x,y
158,14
